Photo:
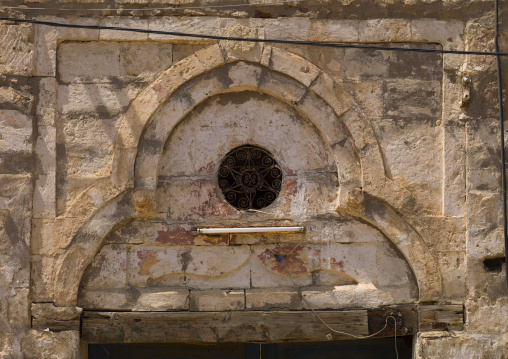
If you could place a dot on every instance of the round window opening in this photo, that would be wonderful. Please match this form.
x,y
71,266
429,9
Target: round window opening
x,y
249,177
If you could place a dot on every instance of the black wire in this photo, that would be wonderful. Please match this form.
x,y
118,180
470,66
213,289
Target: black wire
x,y
501,130
276,41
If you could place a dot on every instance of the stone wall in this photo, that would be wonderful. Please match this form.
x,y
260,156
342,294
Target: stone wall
x,y
110,145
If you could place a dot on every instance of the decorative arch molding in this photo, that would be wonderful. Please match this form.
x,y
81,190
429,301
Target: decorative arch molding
x,y
89,238
407,240
321,93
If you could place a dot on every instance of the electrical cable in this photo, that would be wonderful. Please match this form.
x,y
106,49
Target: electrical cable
x,y
281,258
203,7
230,38
501,130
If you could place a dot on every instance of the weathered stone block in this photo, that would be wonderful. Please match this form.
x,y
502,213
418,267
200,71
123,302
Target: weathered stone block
x,y
145,59
45,344
273,299
49,311
365,64
16,49
46,105
193,25
117,21
453,269
161,299
88,61
105,99
217,300
381,30
108,269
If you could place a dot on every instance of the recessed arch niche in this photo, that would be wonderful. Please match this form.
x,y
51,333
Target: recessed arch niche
x,y
149,142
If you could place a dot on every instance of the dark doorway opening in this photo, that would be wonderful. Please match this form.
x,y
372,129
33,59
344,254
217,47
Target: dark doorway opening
x,y
344,349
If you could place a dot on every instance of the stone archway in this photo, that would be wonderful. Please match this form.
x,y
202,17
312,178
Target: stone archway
x,y
321,96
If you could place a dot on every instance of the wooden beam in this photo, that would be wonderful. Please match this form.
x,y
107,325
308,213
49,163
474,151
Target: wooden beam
x,y
254,326
215,327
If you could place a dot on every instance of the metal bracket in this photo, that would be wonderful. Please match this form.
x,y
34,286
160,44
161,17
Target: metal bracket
x,y
466,90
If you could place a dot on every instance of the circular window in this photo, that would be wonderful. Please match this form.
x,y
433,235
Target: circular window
x,y
249,177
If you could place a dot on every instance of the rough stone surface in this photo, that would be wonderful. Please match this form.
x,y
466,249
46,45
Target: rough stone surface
x,y
111,141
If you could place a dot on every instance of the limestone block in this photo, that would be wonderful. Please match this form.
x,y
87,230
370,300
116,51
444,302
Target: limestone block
x,y
95,98
45,184
197,267
49,311
447,33
18,309
279,85
193,25
293,66
369,95
330,297
244,74
161,299
88,61
242,28
365,64
181,51
453,269
88,141
268,272
217,300
16,132
413,155
444,233
194,199
433,345
384,30
145,59
16,93
45,344
48,37
116,21
416,65
43,269
16,49
288,29
484,223
273,299
412,98
114,299
46,105
454,157
108,268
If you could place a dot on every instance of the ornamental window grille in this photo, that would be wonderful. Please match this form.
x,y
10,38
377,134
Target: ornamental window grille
x,y
249,177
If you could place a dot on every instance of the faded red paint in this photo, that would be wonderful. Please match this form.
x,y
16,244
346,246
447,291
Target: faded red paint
x,y
161,92
209,168
294,263
290,187
291,172
212,207
223,239
337,265
147,259
178,236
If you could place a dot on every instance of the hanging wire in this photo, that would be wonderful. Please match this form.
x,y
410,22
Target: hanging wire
x,y
281,258
231,38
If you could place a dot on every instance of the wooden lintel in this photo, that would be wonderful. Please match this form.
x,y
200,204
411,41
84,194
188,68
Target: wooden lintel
x,y
215,327
255,326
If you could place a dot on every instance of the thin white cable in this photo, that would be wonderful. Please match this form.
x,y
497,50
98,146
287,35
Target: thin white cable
x,y
156,8
326,324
